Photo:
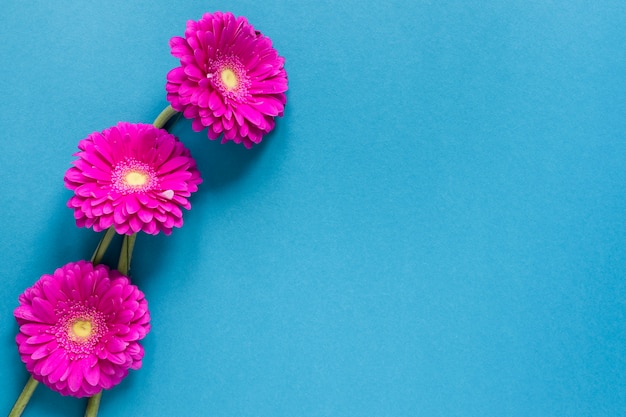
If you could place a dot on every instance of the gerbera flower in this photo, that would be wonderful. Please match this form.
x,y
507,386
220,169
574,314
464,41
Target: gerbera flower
x,y
80,327
230,78
133,177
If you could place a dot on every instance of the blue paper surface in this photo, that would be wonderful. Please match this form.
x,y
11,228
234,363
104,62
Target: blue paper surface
x,y
436,227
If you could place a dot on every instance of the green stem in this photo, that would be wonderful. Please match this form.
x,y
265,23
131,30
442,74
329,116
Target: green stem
x,y
92,405
126,253
103,246
128,243
163,118
24,397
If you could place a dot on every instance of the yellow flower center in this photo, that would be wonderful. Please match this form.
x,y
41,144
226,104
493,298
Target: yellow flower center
x,y
136,178
229,79
81,329
132,176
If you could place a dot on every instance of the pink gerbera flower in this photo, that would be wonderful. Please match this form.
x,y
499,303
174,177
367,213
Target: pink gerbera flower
x,y
133,177
80,327
230,78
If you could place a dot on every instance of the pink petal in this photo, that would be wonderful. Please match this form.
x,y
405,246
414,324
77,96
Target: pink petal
x,y
53,362
215,101
32,329
116,345
61,365
44,350
40,338
92,374
75,378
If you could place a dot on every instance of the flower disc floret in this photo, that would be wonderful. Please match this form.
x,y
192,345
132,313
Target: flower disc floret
x,y
230,79
134,177
79,328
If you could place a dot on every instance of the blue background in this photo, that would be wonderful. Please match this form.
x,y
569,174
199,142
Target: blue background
x,y
435,228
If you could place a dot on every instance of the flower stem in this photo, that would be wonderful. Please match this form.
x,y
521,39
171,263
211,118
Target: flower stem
x,y
103,246
126,254
163,118
92,405
24,397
